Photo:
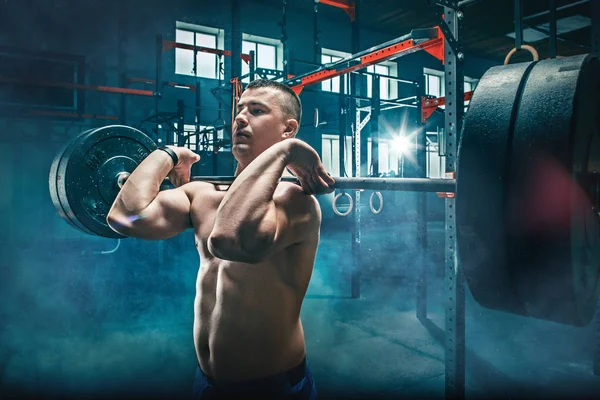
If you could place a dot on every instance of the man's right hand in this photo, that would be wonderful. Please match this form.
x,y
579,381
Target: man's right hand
x,y
180,174
304,162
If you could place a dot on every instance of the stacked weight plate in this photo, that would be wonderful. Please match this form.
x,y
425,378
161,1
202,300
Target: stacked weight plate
x,y
527,226
82,179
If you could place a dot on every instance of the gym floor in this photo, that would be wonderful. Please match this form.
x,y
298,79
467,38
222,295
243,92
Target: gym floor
x,y
139,342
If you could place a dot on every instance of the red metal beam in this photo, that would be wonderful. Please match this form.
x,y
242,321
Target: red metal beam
x,y
168,45
153,82
433,46
75,86
429,105
346,5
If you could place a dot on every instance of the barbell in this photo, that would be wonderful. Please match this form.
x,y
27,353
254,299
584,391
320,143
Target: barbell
x,y
526,187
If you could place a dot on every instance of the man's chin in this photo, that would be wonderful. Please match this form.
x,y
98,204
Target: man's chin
x,y
242,148
241,151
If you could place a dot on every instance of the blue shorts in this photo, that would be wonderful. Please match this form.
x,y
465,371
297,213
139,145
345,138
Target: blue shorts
x,y
297,383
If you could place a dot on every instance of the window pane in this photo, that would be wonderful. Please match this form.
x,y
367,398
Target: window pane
x,y
206,64
182,36
393,157
326,154
335,84
369,159
384,83
266,56
434,85
383,157
348,156
206,40
247,47
184,62
335,157
184,59
382,69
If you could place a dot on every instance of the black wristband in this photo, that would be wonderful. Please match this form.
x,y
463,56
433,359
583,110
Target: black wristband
x,y
170,153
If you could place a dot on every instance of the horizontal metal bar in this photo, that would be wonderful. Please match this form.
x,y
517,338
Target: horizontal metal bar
x,y
466,3
558,37
75,86
397,184
557,9
394,184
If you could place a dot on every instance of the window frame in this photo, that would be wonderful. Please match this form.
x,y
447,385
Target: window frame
x,y
247,37
218,33
192,144
327,85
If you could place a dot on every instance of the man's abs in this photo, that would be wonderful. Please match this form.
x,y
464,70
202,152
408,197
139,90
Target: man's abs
x,y
247,323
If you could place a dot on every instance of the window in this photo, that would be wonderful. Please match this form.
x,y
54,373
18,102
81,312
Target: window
x,y
331,155
207,65
436,164
268,53
388,89
470,84
200,142
330,150
389,162
333,85
434,84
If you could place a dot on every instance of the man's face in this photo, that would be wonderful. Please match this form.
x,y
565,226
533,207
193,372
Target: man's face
x,y
259,123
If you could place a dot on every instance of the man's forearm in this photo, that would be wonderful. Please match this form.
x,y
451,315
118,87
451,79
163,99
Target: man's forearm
x,y
143,184
250,197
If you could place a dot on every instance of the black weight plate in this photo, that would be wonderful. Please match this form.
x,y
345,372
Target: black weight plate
x,y
483,158
87,185
554,230
62,184
53,181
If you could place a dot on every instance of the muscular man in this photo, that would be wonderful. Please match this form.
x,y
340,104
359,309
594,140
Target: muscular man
x,y
257,243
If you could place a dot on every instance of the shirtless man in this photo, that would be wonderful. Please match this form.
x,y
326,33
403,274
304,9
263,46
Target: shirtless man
x,y
257,243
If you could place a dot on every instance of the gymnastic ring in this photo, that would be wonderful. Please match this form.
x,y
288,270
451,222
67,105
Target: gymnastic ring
x,y
350,206
373,210
531,49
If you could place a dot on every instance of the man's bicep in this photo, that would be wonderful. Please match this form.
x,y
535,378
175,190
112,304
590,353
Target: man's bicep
x,y
166,216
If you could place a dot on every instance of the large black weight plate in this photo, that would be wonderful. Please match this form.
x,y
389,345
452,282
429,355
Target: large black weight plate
x,y
54,185
555,230
85,174
483,158
526,228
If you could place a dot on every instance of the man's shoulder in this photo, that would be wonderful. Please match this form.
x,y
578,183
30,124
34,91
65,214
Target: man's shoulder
x,y
293,198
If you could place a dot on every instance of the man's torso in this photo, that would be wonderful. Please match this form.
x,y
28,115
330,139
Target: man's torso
x,y
247,322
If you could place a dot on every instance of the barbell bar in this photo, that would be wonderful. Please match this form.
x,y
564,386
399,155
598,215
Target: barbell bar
x,y
526,187
394,184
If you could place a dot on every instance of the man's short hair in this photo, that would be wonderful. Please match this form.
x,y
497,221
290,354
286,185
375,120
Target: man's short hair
x,y
292,106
